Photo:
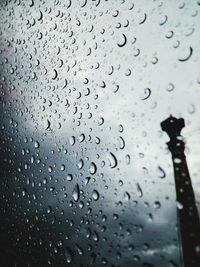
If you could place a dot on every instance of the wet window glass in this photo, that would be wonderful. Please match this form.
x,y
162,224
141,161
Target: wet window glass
x,y
99,133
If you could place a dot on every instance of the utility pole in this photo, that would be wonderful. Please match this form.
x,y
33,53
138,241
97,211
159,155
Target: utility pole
x,y
188,218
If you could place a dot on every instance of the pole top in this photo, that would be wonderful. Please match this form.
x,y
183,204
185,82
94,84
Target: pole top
x,y
173,126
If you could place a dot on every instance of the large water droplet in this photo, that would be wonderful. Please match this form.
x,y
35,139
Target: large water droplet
x,y
121,142
139,190
95,195
80,164
127,196
76,193
68,255
112,160
36,144
161,173
69,177
93,168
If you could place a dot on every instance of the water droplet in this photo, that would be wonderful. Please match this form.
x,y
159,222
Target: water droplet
x,y
147,92
79,249
177,161
190,52
68,255
121,142
123,41
161,173
128,159
72,140
95,236
69,177
80,164
179,205
87,179
95,195
101,121
55,74
48,124
93,168
36,144
62,167
157,205
139,190
112,160
76,193
127,196
81,138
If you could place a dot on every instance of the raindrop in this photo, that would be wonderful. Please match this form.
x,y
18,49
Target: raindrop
x,y
128,159
36,144
157,205
95,195
72,140
50,169
161,173
79,249
177,161
101,121
112,160
93,168
147,92
76,193
69,177
127,196
68,255
87,180
121,142
191,109
123,43
144,19
187,57
80,164
179,205
139,191
62,167
173,264
48,124
55,74
81,138
164,21
170,87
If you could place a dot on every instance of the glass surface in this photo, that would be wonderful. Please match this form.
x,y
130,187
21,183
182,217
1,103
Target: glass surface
x,y
86,177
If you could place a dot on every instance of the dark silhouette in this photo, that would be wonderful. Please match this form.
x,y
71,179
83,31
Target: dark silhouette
x,y
189,226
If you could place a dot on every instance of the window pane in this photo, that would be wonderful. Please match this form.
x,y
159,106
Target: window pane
x,y
86,177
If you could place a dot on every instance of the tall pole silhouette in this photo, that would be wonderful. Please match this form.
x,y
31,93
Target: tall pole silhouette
x,y
189,226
